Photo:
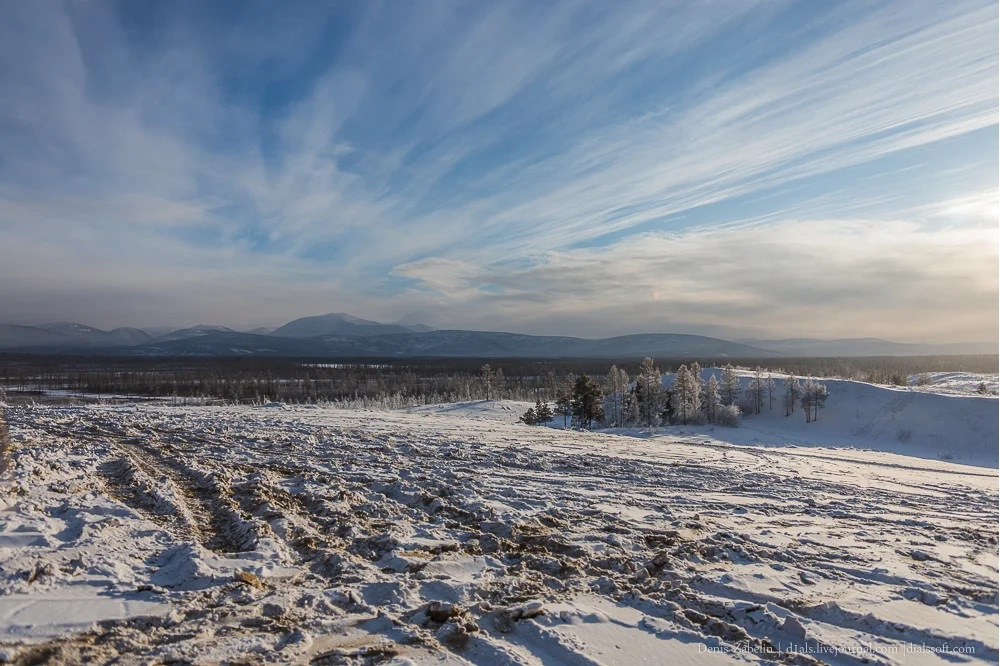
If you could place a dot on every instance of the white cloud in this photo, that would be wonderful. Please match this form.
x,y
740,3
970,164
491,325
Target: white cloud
x,y
834,278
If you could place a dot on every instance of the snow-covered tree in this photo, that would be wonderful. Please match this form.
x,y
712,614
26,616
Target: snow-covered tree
x,y
793,392
696,376
624,382
756,390
499,384
772,388
649,393
711,401
486,373
617,389
631,408
730,386
684,398
814,397
728,415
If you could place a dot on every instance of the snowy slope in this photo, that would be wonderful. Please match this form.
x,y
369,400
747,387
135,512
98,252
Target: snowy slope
x,y
962,428
297,535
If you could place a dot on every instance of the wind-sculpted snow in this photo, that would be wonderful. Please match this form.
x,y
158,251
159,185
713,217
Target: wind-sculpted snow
x,y
239,535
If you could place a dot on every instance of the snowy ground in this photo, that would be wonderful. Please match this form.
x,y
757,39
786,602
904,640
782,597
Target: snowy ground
x,y
451,534
953,425
954,383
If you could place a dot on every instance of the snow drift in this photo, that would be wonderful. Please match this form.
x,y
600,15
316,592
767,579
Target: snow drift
x,y
959,428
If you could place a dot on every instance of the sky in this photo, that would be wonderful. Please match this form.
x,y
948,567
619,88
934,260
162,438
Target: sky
x,y
734,168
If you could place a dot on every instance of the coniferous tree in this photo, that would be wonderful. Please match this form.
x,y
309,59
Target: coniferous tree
x,y
623,383
564,406
756,390
814,397
632,416
615,397
486,373
793,392
649,390
529,417
807,393
543,414
588,402
695,370
684,398
499,384
730,386
711,401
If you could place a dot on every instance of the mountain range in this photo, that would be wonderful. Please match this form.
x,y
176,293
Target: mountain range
x,y
342,335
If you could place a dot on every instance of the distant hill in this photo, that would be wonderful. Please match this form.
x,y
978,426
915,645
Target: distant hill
x,y
13,336
867,347
336,323
339,335
68,335
194,332
232,343
129,336
480,344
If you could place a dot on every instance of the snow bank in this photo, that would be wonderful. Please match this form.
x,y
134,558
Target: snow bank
x,y
959,428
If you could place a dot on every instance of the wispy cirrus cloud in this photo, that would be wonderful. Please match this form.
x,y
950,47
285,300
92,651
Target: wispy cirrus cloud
x,y
378,158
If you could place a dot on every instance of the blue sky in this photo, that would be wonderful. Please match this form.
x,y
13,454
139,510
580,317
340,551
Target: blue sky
x,y
733,168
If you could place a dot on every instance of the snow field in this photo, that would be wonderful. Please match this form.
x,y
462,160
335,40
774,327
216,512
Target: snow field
x,y
449,535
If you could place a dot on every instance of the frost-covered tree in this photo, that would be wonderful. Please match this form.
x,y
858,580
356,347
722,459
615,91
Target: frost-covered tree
x,y
696,375
493,382
814,397
793,392
772,388
649,393
617,389
684,398
730,386
756,390
499,384
728,416
711,401
486,374
588,402
632,408
624,382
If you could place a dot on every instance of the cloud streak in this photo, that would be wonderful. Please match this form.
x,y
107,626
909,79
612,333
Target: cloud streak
x,y
385,159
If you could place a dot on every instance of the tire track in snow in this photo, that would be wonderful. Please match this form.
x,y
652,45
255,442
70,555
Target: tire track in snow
x,y
211,518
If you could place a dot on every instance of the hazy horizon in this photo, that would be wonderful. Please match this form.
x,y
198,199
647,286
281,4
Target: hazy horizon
x,y
734,169
159,330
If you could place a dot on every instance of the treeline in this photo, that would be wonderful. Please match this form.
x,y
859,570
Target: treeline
x,y
618,400
397,382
